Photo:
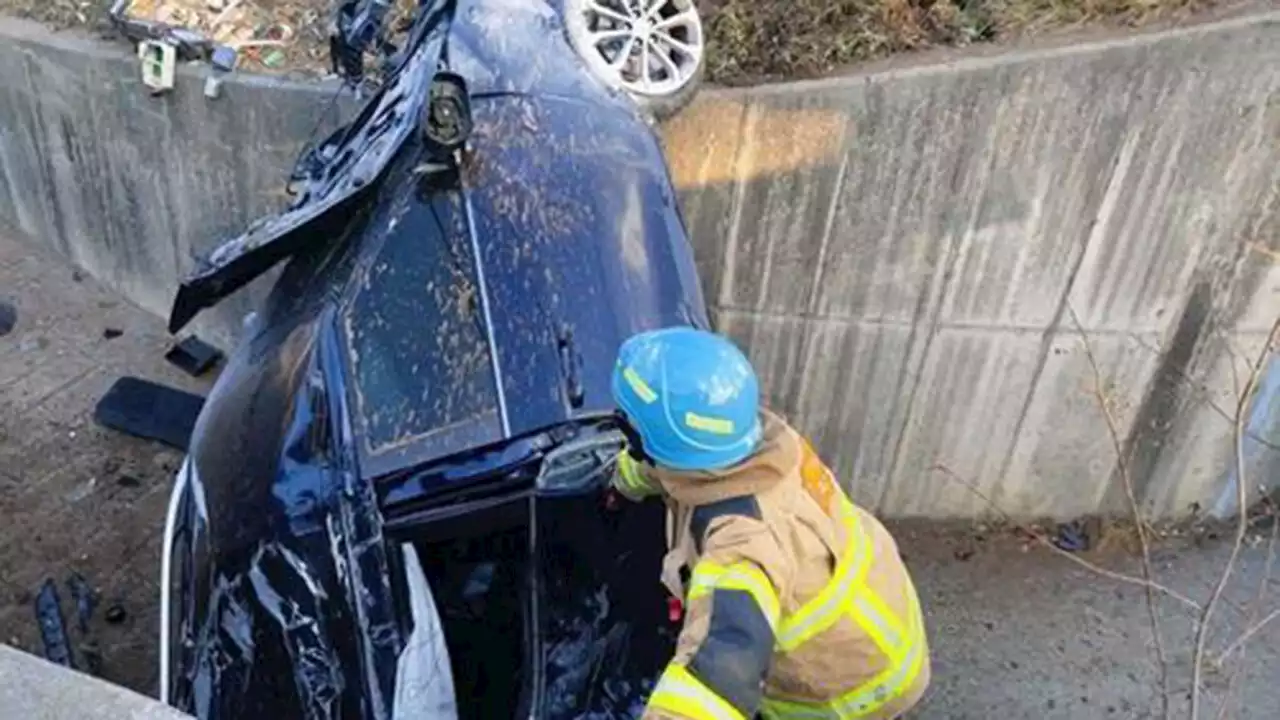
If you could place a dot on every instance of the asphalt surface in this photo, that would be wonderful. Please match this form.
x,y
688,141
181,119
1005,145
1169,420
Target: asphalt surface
x,y
1016,632
74,497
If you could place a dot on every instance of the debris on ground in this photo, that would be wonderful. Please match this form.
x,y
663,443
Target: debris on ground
x,y
261,34
111,333
82,491
8,318
116,615
1072,537
194,356
85,598
149,410
53,627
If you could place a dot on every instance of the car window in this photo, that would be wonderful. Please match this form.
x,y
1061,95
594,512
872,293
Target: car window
x,y
417,343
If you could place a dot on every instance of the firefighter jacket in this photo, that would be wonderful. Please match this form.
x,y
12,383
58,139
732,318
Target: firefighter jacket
x,y
797,604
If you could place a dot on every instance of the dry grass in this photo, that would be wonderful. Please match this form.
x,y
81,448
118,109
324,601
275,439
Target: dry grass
x,y
752,40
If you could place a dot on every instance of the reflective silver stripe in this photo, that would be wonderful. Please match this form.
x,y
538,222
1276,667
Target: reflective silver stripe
x,y
483,287
892,644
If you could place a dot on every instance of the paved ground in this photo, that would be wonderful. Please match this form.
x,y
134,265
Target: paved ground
x,y
1030,635
75,497
1016,633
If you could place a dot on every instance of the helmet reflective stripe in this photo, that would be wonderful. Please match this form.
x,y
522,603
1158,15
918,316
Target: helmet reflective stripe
x,y
692,397
642,389
719,426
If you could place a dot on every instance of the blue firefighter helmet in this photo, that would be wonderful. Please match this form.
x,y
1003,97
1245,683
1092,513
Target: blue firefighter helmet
x,y
691,396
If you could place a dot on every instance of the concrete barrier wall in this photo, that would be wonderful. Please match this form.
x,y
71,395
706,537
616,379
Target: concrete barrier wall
x,y
132,187
904,254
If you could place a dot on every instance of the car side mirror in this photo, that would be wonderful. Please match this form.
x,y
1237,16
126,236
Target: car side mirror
x,y
446,118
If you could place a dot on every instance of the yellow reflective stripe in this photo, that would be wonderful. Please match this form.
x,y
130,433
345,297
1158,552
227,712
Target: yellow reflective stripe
x,y
745,576
831,604
641,388
680,693
889,685
715,425
630,479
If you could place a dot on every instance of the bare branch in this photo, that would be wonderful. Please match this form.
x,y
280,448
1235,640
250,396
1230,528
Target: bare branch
x,y
1242,517
1258,599
1048,544
1122,466
1244,637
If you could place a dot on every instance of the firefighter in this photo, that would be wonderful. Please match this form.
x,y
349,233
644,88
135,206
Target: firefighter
x,y
796,602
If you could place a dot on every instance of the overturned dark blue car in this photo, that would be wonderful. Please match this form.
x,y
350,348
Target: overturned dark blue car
x,y
390,507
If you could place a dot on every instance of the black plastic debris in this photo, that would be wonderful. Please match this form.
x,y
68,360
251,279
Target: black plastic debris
x,y
149,410
194,356
53,628
1072,537
85,598
116,615
8,318
128,481
112,333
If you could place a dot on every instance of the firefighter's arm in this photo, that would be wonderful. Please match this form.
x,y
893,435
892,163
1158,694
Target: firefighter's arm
x,y
731,615
631,479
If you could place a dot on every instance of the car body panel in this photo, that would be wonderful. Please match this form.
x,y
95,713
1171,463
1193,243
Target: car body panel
x,y
434,330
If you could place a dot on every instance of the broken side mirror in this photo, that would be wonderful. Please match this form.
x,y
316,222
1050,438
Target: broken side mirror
x,y
446,118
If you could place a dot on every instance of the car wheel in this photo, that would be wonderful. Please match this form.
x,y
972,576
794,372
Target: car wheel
x,y
654,50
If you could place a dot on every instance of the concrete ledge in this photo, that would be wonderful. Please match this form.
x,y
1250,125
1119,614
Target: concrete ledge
x,y
32,688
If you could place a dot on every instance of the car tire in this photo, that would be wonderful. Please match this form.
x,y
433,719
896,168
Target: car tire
x,y
662,81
